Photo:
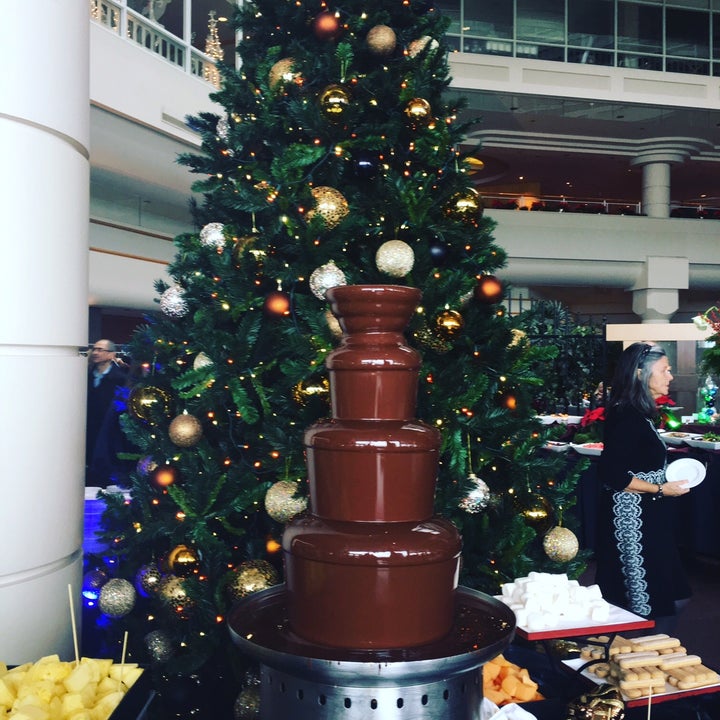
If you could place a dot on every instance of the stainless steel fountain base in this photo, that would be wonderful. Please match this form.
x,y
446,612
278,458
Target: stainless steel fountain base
x,y
438,681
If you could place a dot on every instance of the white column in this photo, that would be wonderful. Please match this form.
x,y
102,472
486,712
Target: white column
x,y
44,193
655,294
656,160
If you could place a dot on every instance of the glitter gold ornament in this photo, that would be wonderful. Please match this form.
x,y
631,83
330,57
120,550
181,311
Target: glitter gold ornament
x,y
330,205
185,430
172,302
283,73
465,207
183,560
249,577
314,387
518,337
431,340
172,592
381,40
416,47
334,101
419,112
213,235
325,277
282,501
117,598
147,579
333,324
449,323
488,290
561,544
478,496
148,402
395,258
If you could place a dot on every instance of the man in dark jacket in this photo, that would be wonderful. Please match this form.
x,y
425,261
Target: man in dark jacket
x,y
104,378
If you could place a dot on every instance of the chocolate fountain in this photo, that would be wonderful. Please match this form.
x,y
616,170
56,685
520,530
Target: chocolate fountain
x,y
370,621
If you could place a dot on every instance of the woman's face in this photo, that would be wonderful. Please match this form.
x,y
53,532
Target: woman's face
x,y
660,377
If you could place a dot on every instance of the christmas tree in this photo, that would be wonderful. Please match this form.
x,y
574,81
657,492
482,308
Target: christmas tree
x,y
338,159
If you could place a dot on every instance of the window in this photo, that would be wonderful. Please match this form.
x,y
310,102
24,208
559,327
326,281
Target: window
x,y
489,18
687,33
591,23
541,21
639,27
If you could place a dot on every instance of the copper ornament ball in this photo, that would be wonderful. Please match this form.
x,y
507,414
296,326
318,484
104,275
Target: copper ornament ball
x,y
277,304
326,26
381,40
488,289
163,476
185,430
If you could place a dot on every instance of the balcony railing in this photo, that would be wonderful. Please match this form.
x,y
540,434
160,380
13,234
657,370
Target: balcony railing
x,y
128,23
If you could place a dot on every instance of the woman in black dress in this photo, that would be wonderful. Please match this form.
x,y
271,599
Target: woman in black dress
x,y
638,562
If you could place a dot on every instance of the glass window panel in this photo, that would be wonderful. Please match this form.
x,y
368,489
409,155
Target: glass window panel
x,y
200,29
687,33
489,18
716,36
591,23
588,56
451,9
639,27
699,4
541,21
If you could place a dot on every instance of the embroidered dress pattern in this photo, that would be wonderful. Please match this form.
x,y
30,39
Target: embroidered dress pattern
x,y
627,521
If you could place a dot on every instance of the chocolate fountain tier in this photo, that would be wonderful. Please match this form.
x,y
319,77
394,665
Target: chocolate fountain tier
x,y
379,471
373,373
371,585
306,681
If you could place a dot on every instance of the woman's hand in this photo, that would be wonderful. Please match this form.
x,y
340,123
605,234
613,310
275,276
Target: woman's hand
x,y
675,488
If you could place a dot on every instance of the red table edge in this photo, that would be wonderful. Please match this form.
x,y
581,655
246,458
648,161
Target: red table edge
x,y
557,633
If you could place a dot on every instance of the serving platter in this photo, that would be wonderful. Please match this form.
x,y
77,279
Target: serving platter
x,y
587,448
697,442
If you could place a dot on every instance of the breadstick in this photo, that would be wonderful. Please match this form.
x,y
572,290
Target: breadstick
x,y
678,660
627,660
657,644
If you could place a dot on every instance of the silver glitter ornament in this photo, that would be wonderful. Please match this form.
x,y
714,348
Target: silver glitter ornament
x,y
325,277
395,258
117,598
172,302
201,361
247,704
478,496
222,129
158,646
212,235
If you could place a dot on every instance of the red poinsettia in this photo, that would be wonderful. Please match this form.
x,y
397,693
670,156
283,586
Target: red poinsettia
x,y
591,416
664,401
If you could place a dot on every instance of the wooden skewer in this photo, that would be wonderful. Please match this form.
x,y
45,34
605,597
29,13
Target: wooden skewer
x,y
74,626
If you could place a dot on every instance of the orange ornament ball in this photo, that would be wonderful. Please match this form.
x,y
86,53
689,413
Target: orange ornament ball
x,y
164,476
488,289
326,26
277,304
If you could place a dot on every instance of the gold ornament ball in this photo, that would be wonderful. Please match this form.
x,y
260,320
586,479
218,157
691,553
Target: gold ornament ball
x,y
147,402
537,512
171,590
419,112
465,207
183,560
334,102
561,544
307,389
330,205
381,40
251,576
283,73
185,430
282,501
449,323
395,258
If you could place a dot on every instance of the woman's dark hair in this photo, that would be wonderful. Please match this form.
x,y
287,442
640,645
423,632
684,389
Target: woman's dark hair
x,y
630,382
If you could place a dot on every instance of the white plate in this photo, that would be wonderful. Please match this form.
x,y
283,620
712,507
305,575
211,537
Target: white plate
x,y
697,442
560,418
686,469
586,449
555,446
676,438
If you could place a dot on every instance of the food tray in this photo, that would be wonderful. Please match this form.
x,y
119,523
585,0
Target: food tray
x,y
676,438
587,448
556,446
701,444
671,693
560,418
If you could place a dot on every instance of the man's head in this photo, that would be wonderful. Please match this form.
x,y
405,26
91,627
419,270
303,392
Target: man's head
x,y
102,353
